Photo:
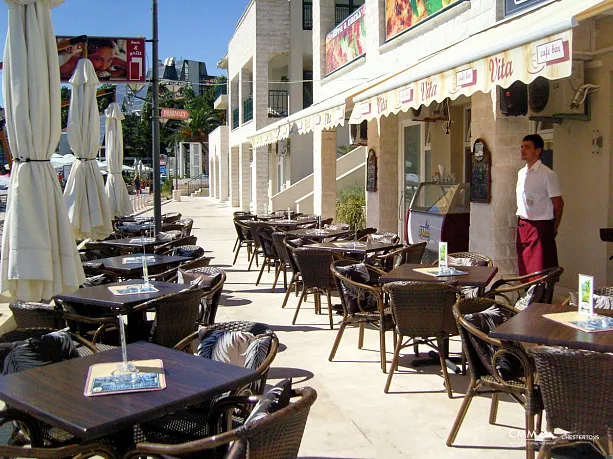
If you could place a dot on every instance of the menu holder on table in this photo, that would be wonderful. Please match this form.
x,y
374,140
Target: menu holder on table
x,y
137,259
580,321
438,272
102,381
142,240
350,244
132,289
316,232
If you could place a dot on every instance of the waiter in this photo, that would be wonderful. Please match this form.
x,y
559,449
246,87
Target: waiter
x,y
539,210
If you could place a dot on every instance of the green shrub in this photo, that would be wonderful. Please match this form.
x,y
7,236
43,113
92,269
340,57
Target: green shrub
x,y
167,187
350,207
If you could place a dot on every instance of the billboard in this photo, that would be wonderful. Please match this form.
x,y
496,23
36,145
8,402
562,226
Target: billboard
x,y
346,41
401,15
116,59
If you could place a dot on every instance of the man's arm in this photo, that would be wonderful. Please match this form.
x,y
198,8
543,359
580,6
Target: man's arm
x,y
558,209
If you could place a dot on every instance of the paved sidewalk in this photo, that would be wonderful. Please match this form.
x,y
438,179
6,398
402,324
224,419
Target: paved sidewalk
x,y
352,417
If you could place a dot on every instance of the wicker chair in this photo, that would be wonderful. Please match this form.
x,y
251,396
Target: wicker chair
x,y
314,267
520,291
486,357
81,450
209,302
476,259
188,224
171,217
167,246
390,260
422,314
270,254
257,241
296,280
276,436
283,254
243,236
379,317
36,315
575,396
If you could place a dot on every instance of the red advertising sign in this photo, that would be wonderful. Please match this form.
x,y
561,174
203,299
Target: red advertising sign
x,y
116,60
174,114
345,42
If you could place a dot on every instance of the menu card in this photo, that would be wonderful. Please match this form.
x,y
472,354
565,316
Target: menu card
x,y
137,259
583,322
586,294
103,380
438,272
132,289
142,240
442,256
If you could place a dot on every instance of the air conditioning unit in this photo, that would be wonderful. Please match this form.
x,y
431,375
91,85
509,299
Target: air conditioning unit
x,y
551,98
358,133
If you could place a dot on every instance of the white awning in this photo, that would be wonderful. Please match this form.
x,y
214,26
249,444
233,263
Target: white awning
x,y
326,114
538,43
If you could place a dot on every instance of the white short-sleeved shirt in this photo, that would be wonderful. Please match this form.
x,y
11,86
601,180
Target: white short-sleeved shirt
x,y
535,188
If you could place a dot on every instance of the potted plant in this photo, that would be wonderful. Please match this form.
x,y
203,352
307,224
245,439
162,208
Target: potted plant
x,y
350,207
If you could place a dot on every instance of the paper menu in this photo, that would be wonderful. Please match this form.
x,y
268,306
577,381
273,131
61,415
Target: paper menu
x,y
442,256
137,259
101,379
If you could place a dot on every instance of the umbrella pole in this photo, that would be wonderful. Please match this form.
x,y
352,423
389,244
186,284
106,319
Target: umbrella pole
x,y
155,119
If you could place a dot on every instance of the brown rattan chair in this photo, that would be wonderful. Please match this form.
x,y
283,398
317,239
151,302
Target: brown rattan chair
x,y
36,315
475,259
270,254
171,217
358,312
243,236
209,302
314,267
275,436
408,254
257,241
422,314
283,254
81,450
291,244
521,291
496,366
576,397
167,246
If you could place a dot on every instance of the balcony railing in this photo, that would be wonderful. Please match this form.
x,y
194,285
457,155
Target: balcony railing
x,y
277,103
248,109
235,118
221,90
307,15
342,12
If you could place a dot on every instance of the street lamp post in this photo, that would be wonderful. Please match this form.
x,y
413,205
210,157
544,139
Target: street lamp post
x,y
155,120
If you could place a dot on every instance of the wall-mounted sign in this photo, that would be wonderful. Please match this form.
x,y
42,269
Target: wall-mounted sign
x,y
174,114
345,42
480,170
371,171
118,60
514,6
401,15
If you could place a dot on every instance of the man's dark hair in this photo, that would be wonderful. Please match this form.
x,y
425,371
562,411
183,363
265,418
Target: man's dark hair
x,y
537,140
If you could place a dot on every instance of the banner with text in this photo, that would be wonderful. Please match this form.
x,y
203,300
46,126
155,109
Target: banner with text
x,y
326,119
346,41
115,59
401,15
549,57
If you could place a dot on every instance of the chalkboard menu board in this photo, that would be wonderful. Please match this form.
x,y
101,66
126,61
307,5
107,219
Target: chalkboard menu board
x,y
480,169
371,171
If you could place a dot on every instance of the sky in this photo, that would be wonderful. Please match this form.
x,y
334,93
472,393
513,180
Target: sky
x,y
191,29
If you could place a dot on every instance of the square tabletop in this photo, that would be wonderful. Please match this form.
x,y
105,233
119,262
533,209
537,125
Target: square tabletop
x,y
529,326
136,242
132,264
356,247
54,393
100,295
285,223
477,276
317,234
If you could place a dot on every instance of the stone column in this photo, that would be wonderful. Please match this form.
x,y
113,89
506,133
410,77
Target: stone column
x,y
224,172
260,180
244,176
234,166
493,226
324,173
212,176
382,205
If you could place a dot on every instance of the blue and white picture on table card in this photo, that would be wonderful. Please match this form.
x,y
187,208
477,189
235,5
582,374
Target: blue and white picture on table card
x,y
586,294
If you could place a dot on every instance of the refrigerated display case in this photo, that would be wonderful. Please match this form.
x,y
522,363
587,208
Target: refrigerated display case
x,y
440,212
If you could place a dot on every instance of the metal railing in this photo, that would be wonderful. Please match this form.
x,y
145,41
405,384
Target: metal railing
x,y
277,103
221,90
235,118
342,12
307,15
248,109
197,183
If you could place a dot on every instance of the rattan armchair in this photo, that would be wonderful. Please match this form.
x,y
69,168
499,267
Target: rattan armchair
x,y
422,314
36,315
270,254
296,279
275,436
496,366
576,397
535,287
361,315
167,246
408,254
243,236
171,217
284,256
314,267
210,300
257,241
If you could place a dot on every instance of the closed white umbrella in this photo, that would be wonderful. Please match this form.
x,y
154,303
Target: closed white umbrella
x,y
115,187
39,254
88,207
58,161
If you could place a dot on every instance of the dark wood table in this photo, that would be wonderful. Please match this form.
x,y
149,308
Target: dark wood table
x,y
117,265
358,248
478,276
54,393
285,223
529,326
317,234
135,243
137,228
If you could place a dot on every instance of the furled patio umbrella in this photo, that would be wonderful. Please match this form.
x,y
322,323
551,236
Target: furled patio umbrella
x,y
88,205
39,254
115,187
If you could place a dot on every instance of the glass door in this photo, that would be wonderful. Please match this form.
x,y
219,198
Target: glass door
x,y
412,166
